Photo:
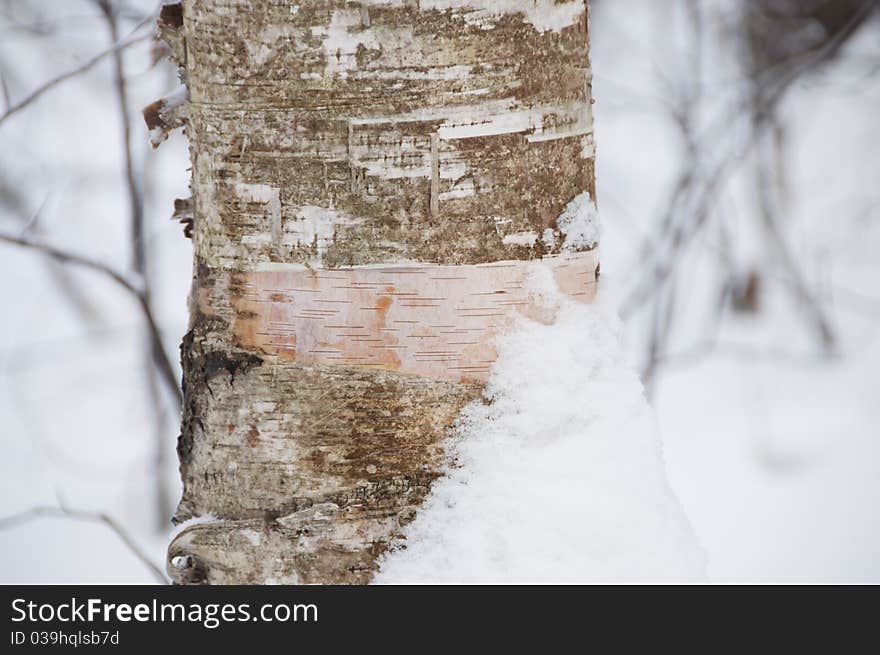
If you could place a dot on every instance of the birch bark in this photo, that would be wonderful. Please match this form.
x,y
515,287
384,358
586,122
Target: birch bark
x,y
372,182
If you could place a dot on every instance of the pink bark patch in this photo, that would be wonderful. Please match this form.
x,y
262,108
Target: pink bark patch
x,y
432,321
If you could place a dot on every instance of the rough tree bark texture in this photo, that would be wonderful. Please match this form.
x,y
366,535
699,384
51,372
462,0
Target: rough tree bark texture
x,y
372,182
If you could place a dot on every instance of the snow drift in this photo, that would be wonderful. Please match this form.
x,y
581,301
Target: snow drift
x,y
558,477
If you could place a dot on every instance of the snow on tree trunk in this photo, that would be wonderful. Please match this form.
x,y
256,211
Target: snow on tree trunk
x,y
373,184
559,478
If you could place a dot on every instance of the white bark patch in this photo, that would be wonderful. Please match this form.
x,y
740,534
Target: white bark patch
x,y
289,580
497,118
455,72
543,15
436,156
322,512
342,38
265,194
261,48
315,226
520,239
579,222
254,537
579,123
464,188
588,146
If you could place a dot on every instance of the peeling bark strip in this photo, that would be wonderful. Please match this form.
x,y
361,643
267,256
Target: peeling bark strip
x,y
371,181
434,321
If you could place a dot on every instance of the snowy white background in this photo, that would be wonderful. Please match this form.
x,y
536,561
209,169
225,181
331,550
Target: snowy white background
x,y
772,450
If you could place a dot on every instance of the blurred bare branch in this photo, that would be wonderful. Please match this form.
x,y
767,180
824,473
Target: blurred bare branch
x,y
742,127
4,90
40,512
155,350
767,177
128,41
133,286
13,199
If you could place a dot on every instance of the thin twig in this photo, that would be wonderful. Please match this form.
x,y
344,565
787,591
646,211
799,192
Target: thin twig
x,y
132,286
135,196
4,89
155,350
766,174
131,39
39,512
701,191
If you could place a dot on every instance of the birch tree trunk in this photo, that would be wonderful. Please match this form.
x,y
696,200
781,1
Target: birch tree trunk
x,y
372,182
